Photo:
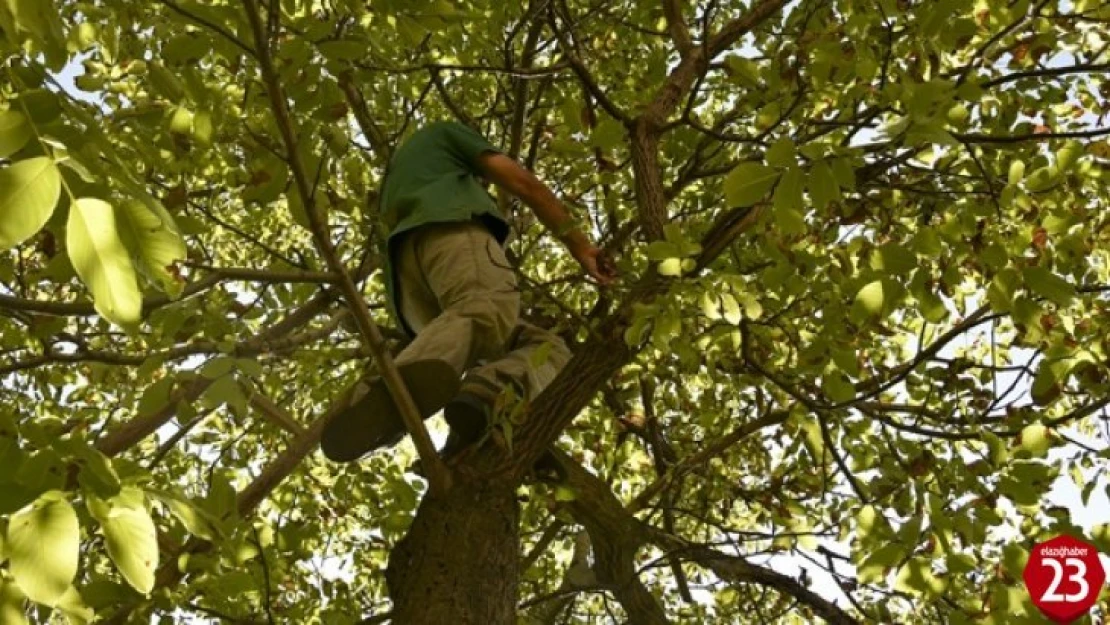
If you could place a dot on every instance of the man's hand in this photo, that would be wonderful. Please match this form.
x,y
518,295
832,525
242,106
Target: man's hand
x,y
596,263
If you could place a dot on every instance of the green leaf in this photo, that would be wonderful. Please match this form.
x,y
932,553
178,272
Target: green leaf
x,y
130,536
43,541
15,132
823,188
1049,285
916,577
101,260
29,191
869,299
742,70
788,203
344,49
1046,387
1017,172
217,367
748,183
165,82
608,134
782,153
194,519
156,240
203,129
845,173
839,388
894,259
225,390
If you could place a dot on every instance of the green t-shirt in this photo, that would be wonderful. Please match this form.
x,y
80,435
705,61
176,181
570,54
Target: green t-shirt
x,y
433,178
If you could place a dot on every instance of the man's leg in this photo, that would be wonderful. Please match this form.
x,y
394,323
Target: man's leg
x,y
464,269
536,358
458,293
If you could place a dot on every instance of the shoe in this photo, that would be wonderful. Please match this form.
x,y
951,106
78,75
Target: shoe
x,y
469,412
375,420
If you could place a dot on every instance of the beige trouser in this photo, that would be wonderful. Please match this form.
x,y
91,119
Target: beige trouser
x,y
459,295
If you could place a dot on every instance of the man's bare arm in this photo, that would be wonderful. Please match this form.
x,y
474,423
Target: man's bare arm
x,y
516,179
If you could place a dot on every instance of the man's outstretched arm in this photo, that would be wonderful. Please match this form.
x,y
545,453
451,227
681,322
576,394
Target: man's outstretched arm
x,y
514,178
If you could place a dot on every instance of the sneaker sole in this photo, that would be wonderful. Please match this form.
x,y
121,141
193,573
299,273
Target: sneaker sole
x,y
375,421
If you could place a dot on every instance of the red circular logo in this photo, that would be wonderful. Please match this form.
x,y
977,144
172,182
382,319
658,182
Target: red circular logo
x,y
1064,577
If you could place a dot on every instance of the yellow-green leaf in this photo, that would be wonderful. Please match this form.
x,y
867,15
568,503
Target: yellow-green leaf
x,y
43,541
788,203
131,538
1049,285
731,308
671,267
154,238
710,306
870,298
1042,179
29,191
823,188
15,132
782,153
748,183
11,604
203,128
1069,154
101,260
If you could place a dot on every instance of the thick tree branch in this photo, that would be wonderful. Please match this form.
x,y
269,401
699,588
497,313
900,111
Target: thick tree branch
x,y
135,430
696,63
616,537
676,26
370,128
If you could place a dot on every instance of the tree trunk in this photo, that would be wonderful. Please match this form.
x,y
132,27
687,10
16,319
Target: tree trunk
x,y
459,561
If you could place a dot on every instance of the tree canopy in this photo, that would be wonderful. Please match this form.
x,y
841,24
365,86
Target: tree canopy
x,y
861,326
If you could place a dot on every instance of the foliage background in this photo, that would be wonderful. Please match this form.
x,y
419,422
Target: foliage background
x,y
878,231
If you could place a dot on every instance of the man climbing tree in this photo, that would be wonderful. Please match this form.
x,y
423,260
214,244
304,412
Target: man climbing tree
x,y
451,286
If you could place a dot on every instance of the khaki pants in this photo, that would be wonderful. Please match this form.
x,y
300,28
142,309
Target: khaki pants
x,y
459,295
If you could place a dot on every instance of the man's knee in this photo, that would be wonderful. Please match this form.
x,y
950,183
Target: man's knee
x,y
492,323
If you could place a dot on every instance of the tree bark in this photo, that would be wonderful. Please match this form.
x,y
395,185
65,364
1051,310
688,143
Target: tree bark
x,y
459,562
